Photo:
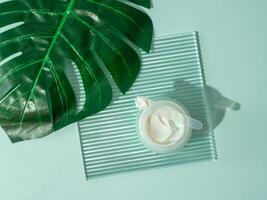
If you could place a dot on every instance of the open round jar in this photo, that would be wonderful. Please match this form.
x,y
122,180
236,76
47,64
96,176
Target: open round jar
x,y
164,126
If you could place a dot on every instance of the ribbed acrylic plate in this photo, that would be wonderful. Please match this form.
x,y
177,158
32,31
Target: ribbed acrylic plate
x,y
109,140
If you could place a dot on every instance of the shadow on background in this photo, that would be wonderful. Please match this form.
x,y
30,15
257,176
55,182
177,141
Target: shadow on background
x,y
217,103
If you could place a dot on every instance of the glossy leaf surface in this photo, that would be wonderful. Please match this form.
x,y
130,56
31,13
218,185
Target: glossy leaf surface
x,y
45,40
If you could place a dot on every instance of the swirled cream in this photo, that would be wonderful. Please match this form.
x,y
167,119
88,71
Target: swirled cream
x,y
163,126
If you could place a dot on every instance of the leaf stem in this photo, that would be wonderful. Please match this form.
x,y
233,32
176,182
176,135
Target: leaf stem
x,y
53,42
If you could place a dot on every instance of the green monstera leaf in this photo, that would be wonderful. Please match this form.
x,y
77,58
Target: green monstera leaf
x,y
40,38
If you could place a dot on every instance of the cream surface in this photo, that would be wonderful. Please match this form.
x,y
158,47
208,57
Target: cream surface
x,y
164,128
162,123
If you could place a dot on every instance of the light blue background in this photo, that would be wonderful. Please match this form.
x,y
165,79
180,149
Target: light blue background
x,y
233,37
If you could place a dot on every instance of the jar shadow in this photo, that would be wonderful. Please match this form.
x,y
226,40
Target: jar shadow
x,y
217,103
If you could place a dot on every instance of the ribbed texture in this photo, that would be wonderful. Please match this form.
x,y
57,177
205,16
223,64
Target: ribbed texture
x,y
109,140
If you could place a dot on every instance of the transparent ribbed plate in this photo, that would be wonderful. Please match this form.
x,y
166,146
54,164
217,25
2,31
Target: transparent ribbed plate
x,y
109,141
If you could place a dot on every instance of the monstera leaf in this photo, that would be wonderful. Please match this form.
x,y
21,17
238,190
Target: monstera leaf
x,y
100,38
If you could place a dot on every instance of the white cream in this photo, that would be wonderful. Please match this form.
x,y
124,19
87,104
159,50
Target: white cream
x,y
163,126
167,125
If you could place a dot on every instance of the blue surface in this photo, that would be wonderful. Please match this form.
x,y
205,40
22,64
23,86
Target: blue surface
x,y
234,46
